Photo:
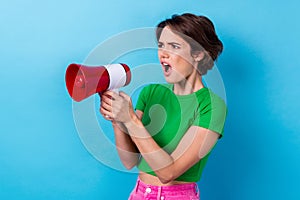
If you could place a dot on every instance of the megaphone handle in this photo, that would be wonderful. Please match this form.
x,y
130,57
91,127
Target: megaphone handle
x,y
116,90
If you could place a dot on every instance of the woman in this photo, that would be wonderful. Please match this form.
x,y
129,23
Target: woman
x,y
175,125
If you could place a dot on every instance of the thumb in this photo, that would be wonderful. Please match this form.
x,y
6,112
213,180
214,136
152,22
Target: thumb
x,y
125,96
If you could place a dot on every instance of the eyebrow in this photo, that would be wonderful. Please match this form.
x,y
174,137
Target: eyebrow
x,y
174,43
171,43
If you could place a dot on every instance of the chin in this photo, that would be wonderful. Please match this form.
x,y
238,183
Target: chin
x,y
169,80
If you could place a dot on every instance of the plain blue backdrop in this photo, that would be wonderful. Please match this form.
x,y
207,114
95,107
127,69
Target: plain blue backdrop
x,y
41,155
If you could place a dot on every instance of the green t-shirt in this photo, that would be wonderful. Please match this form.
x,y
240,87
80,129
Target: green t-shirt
x,y
168,116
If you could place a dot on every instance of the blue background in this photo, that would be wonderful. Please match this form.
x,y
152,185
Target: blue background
x,y
41,155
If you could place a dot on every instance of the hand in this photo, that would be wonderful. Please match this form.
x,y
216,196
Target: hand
x,y
116,107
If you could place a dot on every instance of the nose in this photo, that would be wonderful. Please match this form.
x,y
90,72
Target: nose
x,y
163,53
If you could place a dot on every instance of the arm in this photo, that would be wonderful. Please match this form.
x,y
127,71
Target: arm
x,y
127,150
196,143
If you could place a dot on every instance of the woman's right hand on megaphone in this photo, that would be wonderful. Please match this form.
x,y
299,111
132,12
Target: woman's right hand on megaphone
x,y
116,106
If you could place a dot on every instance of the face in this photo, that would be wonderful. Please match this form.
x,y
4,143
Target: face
x,y
175,57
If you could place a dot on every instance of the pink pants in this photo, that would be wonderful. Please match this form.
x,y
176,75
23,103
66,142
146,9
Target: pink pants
x,y
143,191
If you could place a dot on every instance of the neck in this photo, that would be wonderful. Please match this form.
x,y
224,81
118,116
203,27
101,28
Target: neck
x,y
189,85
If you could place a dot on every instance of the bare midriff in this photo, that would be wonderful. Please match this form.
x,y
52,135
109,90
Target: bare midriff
x,y
153,180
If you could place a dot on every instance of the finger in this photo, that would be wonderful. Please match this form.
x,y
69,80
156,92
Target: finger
x,y
106,106
112,94
106,96
106,114
107,92
107,100
106,103
125,96
111,104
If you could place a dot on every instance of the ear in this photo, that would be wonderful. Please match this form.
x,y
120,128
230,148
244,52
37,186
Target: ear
x,y
198,56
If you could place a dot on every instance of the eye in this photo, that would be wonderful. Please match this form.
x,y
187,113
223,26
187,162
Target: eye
x,y
160,45
175,46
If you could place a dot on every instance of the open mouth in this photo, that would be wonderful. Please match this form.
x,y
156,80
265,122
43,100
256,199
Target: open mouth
x,y
166,66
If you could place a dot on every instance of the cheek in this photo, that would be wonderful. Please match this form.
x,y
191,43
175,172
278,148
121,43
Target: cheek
x,y
185,56
184,61
185,66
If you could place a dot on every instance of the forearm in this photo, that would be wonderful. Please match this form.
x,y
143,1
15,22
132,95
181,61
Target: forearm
x,y
126,148
158,159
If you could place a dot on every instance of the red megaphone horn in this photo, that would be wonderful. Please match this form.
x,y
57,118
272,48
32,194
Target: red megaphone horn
x,y
83,81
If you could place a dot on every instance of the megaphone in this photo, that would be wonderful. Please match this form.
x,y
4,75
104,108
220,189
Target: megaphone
x,y
83,81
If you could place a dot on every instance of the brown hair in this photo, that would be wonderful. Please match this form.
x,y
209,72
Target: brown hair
x,y
200,33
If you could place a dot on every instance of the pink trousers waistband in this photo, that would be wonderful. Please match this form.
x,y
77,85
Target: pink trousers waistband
x,y
185,188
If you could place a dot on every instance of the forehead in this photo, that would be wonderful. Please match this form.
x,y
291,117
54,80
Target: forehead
x,y
167,35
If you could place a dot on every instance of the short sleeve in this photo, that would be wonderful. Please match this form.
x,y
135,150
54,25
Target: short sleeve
x,y
211,114
141,102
